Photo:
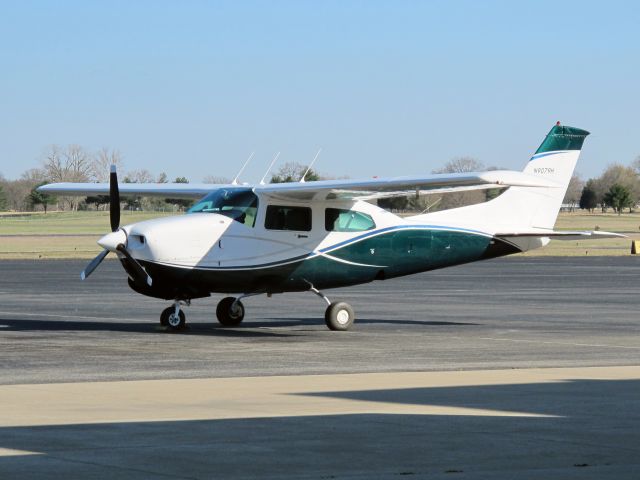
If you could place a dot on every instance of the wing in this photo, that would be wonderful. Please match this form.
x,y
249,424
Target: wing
x,y
400,186
165,190
367,189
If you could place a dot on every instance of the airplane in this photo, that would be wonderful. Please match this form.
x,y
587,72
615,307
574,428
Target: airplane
x,y
310,236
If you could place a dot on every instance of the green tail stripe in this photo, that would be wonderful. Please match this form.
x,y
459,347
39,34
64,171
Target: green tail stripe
x,y
563,138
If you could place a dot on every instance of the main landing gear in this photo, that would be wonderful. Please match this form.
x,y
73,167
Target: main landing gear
x,y
230,312
338,316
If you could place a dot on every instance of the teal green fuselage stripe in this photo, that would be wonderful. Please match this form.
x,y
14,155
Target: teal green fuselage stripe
x,y
388,255
563,138
394,254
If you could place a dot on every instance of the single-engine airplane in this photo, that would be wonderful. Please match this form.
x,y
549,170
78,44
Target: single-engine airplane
x,y
310,236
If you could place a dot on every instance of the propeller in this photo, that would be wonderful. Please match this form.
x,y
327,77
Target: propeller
x,y
139,275
114,200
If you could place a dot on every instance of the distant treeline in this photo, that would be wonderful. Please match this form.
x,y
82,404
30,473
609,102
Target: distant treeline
x,y
618,187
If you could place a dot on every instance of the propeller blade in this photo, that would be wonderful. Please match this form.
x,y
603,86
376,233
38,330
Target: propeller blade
x,y
93,264
139,273
114,200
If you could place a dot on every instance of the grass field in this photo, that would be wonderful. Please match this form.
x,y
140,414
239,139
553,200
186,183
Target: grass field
x,y
627,224
58,234
67,223
74,234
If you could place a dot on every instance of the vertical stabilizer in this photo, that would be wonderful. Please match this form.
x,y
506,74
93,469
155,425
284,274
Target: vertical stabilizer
x,y
525,208
554,160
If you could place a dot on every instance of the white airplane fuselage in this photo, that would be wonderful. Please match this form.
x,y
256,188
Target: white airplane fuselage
x,y
193,255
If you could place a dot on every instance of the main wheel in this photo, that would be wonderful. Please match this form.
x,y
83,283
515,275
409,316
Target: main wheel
x,y
168,318
339,316
230,312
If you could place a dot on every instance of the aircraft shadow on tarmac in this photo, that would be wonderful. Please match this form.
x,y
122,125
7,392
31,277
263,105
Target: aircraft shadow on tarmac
x,y
594,433
247,329
291,322
128,327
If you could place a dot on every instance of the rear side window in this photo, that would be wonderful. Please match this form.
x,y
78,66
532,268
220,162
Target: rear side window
x,y
281,217
343,220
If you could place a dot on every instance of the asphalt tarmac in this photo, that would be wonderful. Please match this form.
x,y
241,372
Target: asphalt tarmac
x,y
509,368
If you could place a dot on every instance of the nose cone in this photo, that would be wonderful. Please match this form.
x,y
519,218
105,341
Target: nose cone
x,y
111,240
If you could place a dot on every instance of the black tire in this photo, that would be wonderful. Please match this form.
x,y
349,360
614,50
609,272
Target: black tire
x,y
164,316
167,319
339,316
230,315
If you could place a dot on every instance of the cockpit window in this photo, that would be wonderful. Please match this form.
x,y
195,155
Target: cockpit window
x,y
240,204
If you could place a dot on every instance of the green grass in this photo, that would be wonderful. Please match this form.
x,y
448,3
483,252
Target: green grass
x,y
69,223
33,236
627,224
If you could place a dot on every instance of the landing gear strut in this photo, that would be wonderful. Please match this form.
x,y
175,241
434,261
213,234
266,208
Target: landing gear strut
x,y
173,317
339,315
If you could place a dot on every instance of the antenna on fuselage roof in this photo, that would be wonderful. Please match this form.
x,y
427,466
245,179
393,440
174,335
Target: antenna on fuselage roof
x,y
235,180
270,167
310,165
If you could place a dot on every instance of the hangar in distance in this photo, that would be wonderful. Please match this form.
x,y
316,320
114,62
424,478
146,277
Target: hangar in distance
x,y
310,236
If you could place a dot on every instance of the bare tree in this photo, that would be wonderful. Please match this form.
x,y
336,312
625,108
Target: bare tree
x,y
34,175
102,161
574,192
292,172
461,164
459,199
216,180
79,163
139,176
53,164
70,164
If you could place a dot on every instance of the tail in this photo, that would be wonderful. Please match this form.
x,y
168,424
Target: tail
x,y
554,160
526,208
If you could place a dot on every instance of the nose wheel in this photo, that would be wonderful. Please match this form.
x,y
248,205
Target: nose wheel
x,y
173,317
230,312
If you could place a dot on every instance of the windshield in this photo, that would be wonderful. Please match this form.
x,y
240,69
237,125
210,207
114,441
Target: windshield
x,y
240,204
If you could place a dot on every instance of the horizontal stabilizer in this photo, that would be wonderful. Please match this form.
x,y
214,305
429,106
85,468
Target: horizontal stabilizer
x,y
562,235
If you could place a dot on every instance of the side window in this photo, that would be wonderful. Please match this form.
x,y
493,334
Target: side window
x,y
288,218
342,220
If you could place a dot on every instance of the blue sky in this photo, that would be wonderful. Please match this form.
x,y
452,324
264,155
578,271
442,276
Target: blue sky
x,y
385,88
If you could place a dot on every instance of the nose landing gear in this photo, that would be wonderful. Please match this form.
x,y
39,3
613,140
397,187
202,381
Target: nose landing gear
x,y
173,318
